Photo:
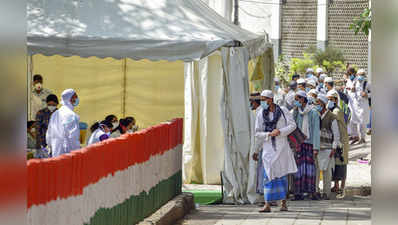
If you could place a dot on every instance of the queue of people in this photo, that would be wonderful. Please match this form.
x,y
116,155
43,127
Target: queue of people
x,y
57,131
303,131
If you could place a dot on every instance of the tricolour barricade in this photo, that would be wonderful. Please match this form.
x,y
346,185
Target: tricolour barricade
x,y
115,182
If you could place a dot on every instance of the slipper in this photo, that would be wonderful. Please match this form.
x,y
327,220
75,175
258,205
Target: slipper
x,y
264,211
284,209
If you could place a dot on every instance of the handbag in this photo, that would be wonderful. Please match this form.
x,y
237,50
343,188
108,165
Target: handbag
x,y
296,138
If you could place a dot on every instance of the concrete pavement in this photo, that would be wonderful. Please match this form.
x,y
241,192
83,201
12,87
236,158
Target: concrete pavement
x,y
356,210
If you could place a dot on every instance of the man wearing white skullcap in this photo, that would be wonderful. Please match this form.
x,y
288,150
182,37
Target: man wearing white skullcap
x,y
311,96
273,124
319,71
341,159
307,120
321,84
311,84
359,95
301,84
309,73
330,140
63,133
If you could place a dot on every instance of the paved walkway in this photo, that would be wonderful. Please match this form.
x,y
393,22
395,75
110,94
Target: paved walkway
x,y
354,211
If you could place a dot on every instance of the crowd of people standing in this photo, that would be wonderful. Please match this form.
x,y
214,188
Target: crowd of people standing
x,y
304,131
54,131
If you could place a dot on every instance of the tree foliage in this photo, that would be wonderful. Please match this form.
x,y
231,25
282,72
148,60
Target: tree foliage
x,y
363,22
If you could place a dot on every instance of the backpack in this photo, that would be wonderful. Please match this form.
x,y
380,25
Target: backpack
x,y
344,106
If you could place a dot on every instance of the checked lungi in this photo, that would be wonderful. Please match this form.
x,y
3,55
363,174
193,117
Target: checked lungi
x,y
275,189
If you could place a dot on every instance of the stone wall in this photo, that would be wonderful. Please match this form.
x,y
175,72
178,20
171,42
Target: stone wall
x,y
299,21
355,47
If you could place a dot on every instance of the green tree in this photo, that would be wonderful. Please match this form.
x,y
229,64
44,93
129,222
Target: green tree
x,y
331,59
363,22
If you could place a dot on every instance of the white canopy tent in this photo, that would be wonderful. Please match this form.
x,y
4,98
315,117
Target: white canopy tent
x,y
217,123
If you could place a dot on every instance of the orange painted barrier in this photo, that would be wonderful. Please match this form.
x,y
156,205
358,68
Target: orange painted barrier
x,y
67,175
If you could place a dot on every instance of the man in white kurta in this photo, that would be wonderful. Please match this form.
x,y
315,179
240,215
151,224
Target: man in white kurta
x,y
357,89
273,125
63,131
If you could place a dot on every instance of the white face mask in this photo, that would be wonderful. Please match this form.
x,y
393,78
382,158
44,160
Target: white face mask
x,y
115,124
52,108
135,128
38,86
130,131
32,130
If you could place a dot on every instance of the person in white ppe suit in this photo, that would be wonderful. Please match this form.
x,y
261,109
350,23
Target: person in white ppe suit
x,y
273,125
63,133
103,132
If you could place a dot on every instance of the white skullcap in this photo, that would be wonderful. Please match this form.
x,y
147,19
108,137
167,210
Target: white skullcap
x,y
310,70
301,81
332,93
323,98
322,76
311,82
301,93
267,93
66,96
277,79
361,71
319,70
328,79
312,91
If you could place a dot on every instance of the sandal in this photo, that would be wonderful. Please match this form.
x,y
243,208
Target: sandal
x,y
284,209
334,189
265,210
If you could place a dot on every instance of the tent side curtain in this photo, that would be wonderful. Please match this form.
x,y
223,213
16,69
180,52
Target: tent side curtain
x,y
154,91
168,30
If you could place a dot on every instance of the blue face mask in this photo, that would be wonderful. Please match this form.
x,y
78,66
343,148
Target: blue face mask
x,y
277,87
352,77
307,89
321,85
319,108
361,78
330,105
76,102
309,75
264,104
297,103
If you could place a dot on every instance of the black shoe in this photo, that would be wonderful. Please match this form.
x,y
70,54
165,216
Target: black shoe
x,y
325,197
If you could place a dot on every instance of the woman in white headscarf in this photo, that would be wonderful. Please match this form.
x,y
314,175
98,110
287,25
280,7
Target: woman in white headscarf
x,y
63,132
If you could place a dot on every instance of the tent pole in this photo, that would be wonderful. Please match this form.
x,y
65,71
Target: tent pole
x,y
29,60
124,87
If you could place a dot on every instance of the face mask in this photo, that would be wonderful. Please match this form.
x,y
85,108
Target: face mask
x,y
135,128
352,77
38,86
76,102
319,108
32,130
115,124
52,108
108,133
130,131
297,103
330,105
264,104
361,78
277,87
321,85
309,75
307,89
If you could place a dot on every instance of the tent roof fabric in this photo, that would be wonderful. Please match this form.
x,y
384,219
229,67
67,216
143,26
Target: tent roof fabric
x,y
138,29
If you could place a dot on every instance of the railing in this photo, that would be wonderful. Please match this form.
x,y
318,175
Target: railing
x,y
115,182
